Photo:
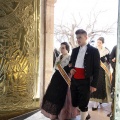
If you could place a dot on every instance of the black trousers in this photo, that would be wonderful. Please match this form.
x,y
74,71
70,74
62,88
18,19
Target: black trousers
x,y
80,93
113,80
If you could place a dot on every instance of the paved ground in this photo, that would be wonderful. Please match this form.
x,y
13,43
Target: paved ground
x,y
100,114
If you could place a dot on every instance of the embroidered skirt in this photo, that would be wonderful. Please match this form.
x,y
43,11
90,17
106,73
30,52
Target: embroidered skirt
x,y
54,98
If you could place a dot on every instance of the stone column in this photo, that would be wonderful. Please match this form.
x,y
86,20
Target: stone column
x,y
46,43
117,84
42,47
49,36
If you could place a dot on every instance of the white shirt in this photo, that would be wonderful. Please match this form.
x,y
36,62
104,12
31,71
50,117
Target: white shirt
x,y
80,58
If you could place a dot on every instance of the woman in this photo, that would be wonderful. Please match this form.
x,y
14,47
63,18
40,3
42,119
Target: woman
x,y
55,96
103,87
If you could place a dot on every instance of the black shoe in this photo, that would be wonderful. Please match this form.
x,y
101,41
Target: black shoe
x,y
88,117
94,109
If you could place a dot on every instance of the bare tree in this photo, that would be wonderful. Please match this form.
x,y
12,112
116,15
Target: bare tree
x,y
66,31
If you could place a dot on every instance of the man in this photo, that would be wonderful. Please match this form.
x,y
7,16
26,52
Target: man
x,y
85,61
55,55
113,64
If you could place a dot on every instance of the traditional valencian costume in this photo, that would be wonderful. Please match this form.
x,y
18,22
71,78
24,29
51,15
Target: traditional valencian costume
x,y
103,87
57,99
86,61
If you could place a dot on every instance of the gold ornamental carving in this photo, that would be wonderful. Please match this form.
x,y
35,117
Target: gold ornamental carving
x,y
18,54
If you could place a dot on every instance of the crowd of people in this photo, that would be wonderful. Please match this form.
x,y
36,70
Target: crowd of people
x,y
81,77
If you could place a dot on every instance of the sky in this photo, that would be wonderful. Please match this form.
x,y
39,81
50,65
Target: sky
x,y
65,8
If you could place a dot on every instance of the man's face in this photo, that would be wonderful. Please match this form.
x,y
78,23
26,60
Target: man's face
x,y
81,39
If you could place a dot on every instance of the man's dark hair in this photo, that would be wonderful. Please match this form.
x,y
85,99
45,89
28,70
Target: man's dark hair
x,y
80,31
101,39
66,45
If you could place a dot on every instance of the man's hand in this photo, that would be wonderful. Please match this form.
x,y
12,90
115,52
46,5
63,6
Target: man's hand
x,y
92,89
72,72
114,60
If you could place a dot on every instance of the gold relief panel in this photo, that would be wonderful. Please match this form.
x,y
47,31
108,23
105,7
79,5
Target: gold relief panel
x,y
18,54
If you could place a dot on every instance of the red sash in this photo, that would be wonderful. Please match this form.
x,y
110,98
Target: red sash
x,y
80,73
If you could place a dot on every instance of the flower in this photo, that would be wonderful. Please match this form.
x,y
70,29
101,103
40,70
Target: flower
x,y
58,63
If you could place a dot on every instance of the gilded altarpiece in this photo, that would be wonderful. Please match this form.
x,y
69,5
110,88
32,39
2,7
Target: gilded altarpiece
x,y
19,50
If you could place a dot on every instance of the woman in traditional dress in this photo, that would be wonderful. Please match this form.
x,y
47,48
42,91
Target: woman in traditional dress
x,y
103,87
55,96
